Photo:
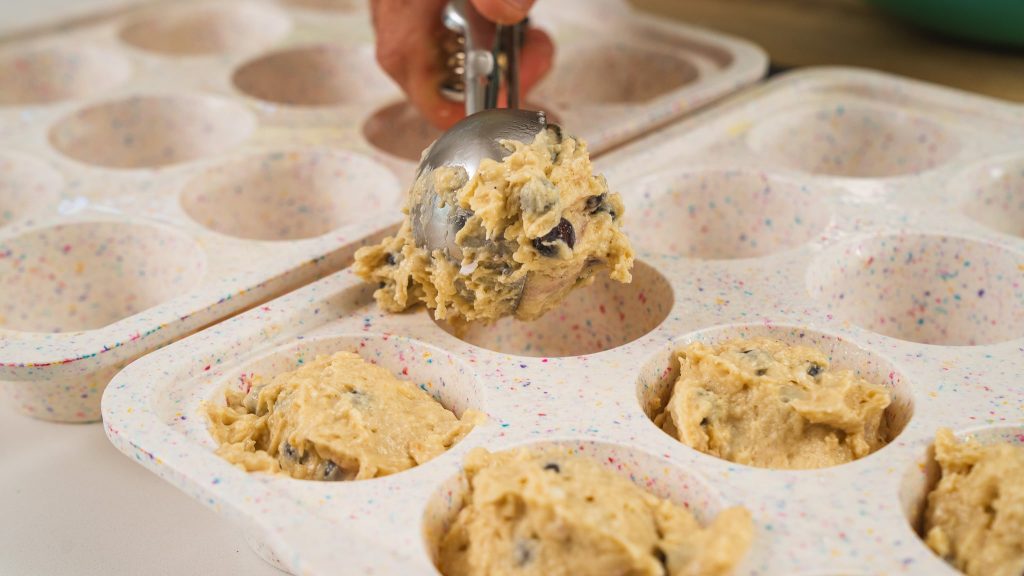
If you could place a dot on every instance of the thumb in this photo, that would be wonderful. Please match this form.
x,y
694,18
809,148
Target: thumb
x,y
503,11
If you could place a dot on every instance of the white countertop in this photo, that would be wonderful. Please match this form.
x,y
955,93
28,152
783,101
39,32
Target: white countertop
x,y
72,504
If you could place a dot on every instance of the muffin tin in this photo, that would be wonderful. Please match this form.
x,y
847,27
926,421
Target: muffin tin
x,y
167,167
871,216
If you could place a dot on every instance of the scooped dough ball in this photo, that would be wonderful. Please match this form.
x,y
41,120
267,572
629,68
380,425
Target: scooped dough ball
x,y
762,402
335,418
975,514
531,228
547,512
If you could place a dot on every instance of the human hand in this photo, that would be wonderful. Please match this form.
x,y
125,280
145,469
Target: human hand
x,y
409,48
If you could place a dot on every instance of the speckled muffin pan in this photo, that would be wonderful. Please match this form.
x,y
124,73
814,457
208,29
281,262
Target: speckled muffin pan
x,y
167,167
873,217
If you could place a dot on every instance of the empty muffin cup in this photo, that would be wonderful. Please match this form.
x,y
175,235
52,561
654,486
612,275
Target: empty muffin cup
x,y
87,275
924,288
151,131
28,188
602,316
211,28
320,75
613,73
994,194
723,213
853,140
661,371
400,130
290,195
48,74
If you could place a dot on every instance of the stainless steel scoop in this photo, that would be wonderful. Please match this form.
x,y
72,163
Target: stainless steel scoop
x,y
476,137
466,144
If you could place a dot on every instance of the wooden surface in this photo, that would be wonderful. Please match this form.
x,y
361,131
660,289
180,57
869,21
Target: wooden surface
x,y
853,33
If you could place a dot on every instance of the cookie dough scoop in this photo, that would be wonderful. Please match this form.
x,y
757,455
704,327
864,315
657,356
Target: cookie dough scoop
x,y
505,216
436,221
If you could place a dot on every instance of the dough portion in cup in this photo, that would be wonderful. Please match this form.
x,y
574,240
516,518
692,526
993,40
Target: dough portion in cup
x,y
762,402
533,227
975,515
539,512
336,418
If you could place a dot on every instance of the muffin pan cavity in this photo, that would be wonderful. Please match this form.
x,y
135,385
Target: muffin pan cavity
x,y
853,140
720,214
48,74
206,29
605,315
994,194
648,471
400,130
923,474
659,373
321,75
151,131
924,288
290,195
629,74
435,371
28,188
86,275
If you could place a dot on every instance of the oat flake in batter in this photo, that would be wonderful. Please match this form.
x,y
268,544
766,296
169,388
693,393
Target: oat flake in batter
x,y
538,224
975,515
762,402
548,513
336,418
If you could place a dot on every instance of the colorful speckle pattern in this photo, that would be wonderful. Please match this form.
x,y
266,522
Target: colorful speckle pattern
x,y
993,193
28,188
720,214
45,74
290,195
924,288
586,378
151,131
854,140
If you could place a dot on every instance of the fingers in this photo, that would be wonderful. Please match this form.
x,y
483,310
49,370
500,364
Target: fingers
x,y
503,11
408,49
409,40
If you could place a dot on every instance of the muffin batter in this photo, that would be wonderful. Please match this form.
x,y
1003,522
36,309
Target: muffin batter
x,y
336,418
550,513
764,403
536,225
975,515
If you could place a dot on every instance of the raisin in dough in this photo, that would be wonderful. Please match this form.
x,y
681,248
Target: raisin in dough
x,y
336,418
762,402
540,213
975,514
550,513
